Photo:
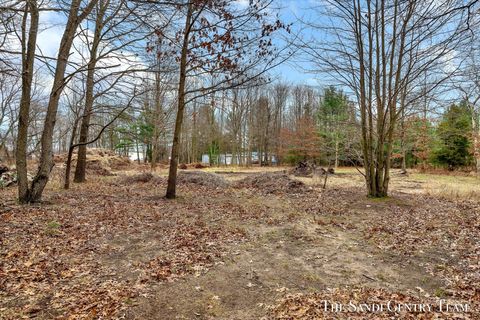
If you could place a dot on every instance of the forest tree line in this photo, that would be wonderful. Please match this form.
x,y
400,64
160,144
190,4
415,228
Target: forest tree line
x,y
170,81
288,123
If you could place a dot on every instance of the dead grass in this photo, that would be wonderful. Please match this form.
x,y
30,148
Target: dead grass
x,y
449,186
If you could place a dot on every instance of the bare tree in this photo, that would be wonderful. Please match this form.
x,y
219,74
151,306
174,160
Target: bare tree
x,y
117,30
215,40
34,193
468,84
9,99
28,58
279,94
377,48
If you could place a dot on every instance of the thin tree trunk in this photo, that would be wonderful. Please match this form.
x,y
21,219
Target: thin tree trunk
x,y
194,133
71,148
138,152
336,153
28,59
402,143
46,156
157,122
80,169
172,173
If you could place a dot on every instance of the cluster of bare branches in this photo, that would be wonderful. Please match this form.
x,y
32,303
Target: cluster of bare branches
x,y
120,59
175,79
384,51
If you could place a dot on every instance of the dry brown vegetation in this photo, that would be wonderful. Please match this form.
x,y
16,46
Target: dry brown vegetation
x,y
236,245
272,182
99,161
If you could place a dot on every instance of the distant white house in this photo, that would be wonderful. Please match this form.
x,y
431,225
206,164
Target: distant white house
x,y
205,159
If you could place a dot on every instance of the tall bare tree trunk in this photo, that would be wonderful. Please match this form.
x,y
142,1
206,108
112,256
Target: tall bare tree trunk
x,y
81,167
158,121
172,173
194,133
28,59
46,156
403,133
476,139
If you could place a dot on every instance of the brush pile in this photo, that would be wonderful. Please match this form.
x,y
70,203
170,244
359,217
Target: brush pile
x,y
272,182
99,161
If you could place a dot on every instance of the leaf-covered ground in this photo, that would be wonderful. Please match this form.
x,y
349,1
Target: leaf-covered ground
x,y
115,248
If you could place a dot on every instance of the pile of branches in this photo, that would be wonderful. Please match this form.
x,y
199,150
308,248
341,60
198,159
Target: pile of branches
x,y
99,161
307,169
8,177
272,182
201,178
206,179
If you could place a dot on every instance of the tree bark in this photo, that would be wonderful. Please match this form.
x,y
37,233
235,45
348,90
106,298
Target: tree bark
x,y
403,134
81,167
46,156
71,148
158,117
172,173
28,59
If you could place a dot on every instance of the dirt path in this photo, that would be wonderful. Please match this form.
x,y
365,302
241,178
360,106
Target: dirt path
x,y
299,256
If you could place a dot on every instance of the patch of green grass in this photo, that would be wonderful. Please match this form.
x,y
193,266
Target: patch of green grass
x,y
440,293
271,235
382,277
440,267
312,277
53,227
293,233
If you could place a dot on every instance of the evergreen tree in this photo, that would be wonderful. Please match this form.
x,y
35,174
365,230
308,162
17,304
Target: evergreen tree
x,y
454,145
333,117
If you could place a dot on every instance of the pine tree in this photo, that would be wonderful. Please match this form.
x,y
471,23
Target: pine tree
x,y
454,146
333,116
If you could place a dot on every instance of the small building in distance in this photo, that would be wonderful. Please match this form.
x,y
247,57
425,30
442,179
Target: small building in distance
x,y
229,159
